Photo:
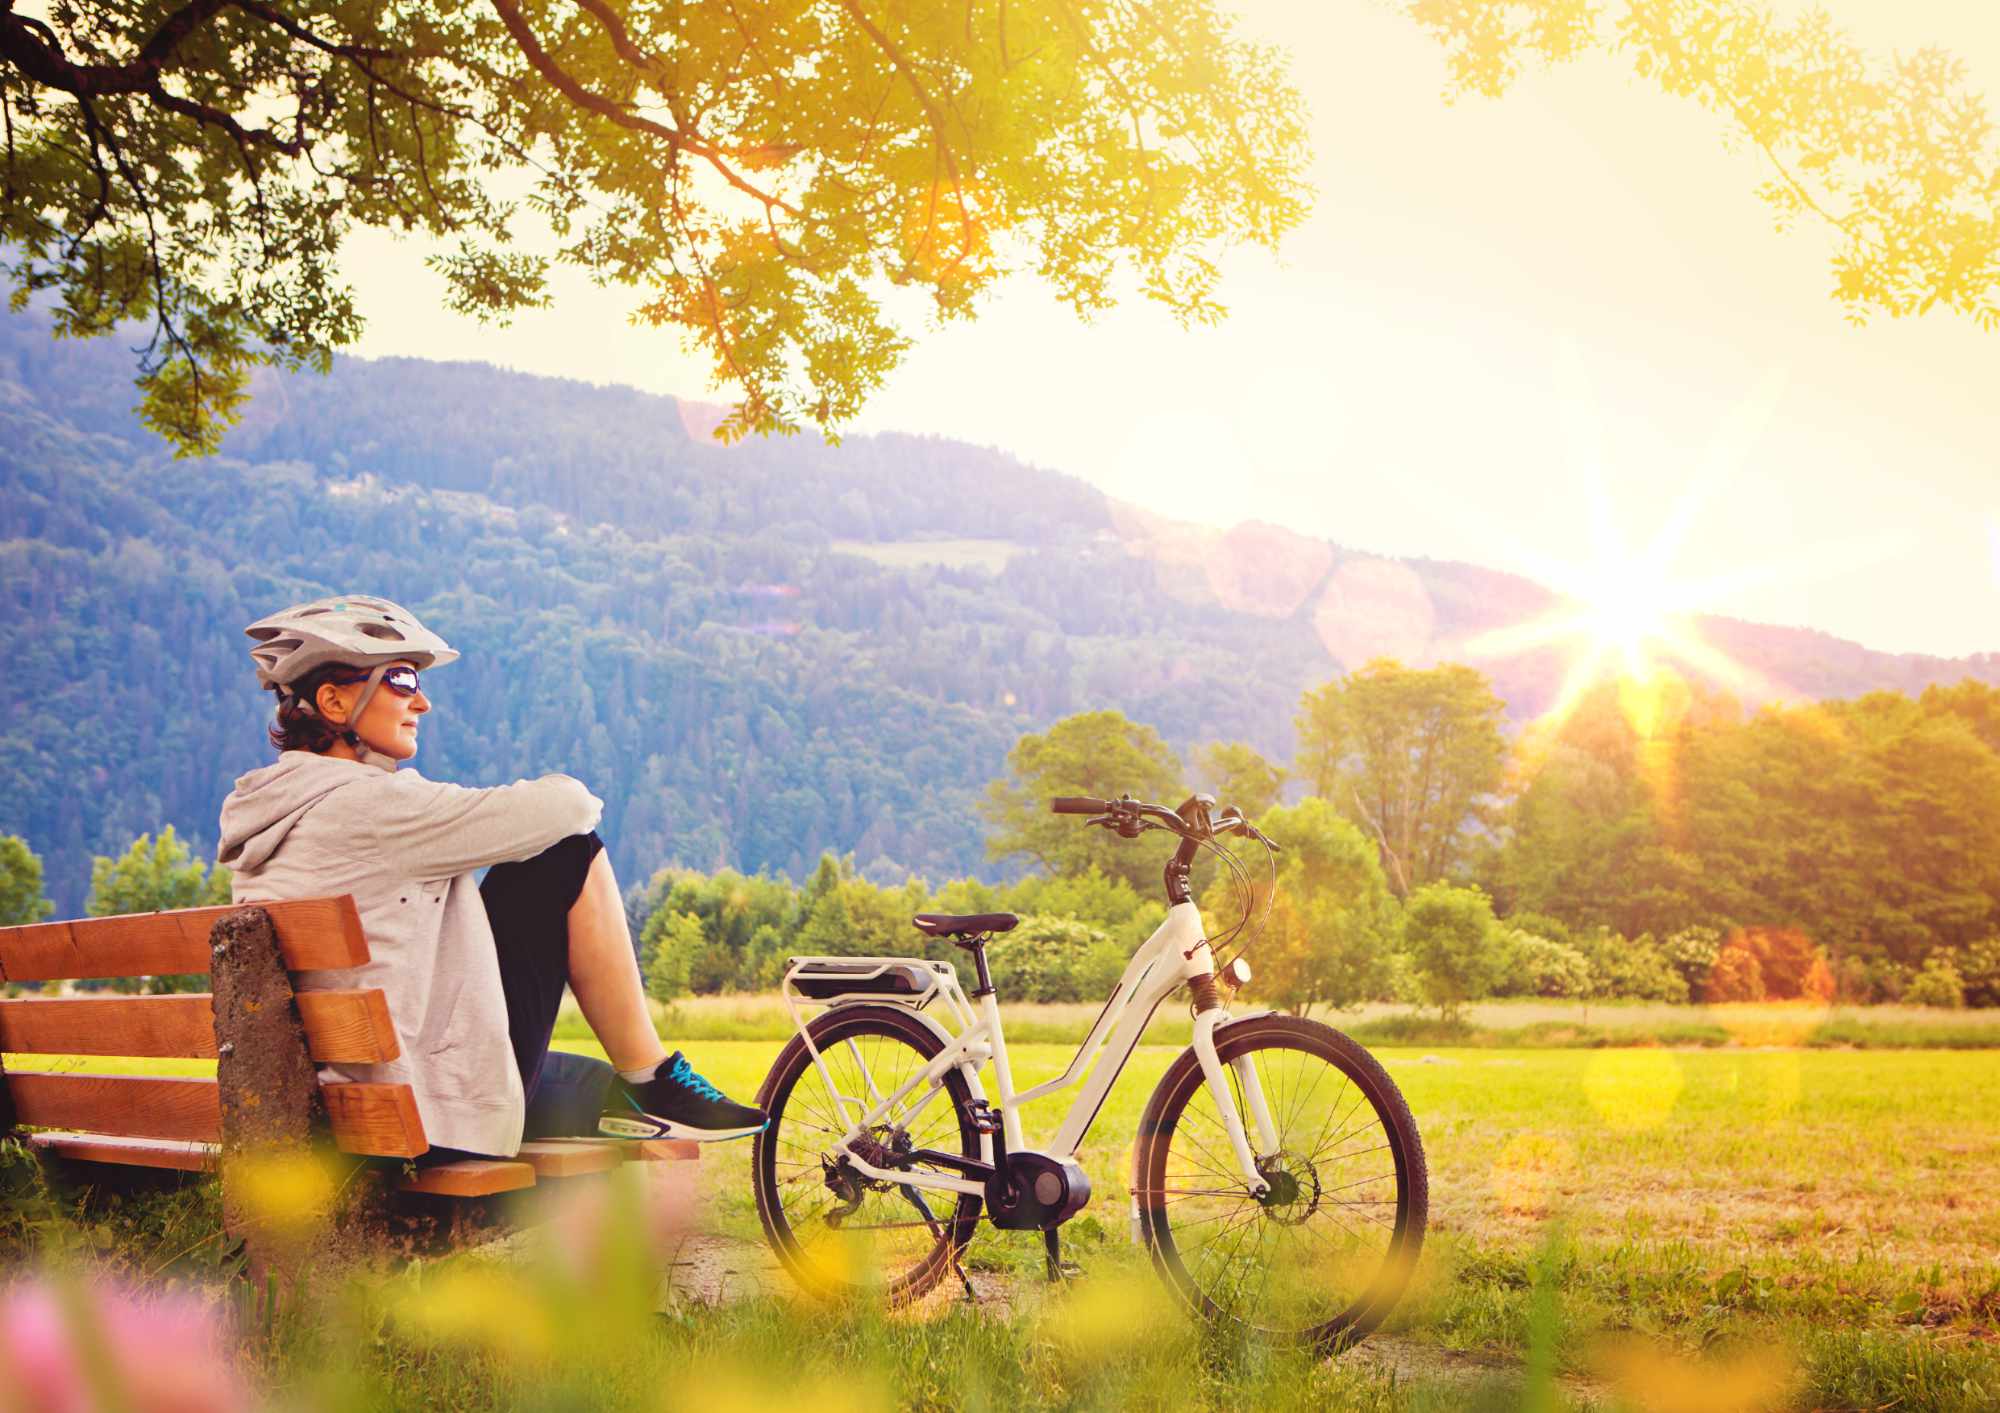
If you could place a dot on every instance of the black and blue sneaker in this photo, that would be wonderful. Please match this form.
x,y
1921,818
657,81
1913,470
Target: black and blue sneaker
x,y
676,1103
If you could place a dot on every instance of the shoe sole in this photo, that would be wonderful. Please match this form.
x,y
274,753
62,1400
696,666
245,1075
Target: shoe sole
x,y
650,1128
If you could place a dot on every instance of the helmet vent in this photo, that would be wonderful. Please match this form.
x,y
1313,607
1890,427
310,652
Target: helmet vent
x,y
377,630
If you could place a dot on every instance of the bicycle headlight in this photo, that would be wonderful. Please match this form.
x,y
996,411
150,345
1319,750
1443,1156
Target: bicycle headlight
x,y
1235,976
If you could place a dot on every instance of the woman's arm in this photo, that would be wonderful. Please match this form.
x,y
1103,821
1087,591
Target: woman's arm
x,y
431,829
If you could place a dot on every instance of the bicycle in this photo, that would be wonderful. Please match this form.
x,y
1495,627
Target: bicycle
x,y
1302,1223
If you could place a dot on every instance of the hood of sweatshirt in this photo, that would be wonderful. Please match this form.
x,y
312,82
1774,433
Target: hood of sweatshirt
x,y
269,802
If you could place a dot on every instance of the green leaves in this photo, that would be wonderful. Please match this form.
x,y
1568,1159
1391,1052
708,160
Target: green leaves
x,y
1894,157
21,897
1098,754
757,174
1413,755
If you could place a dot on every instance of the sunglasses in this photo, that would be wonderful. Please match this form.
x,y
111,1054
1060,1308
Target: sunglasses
x,y
400,680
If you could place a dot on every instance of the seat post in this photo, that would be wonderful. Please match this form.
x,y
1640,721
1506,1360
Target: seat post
x,y
977,946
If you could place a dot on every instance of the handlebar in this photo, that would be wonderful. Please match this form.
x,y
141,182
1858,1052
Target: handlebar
x,y
1077,804
1193,821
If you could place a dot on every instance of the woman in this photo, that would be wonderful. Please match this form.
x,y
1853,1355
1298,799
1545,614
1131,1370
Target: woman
x,y
474,974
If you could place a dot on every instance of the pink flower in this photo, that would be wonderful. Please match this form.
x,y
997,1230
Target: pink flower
x,y
74,1352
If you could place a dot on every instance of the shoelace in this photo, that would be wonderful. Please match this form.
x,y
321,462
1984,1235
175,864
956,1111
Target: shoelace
x,y
681,1072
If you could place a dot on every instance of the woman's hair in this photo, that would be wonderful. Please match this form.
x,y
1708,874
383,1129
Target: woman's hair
x,y
298,729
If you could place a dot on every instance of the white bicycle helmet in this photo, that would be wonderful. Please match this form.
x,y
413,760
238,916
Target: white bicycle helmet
x,y
355,630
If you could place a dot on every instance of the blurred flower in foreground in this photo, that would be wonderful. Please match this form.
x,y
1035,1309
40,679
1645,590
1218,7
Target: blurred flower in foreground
x,y
1650,1379
83,1348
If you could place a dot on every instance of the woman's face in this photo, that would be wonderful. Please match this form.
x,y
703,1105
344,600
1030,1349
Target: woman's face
x,y
389,722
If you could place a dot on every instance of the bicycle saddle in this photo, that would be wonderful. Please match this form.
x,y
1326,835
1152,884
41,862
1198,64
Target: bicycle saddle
x,y
949,925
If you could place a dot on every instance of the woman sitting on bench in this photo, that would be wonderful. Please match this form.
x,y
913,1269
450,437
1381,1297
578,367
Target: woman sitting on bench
x,y
474,974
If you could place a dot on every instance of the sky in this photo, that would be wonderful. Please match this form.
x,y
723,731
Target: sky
x,y
1528,333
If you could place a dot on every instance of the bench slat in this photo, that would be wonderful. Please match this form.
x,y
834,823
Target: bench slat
x,y
379,1120
342,1027
348,1027
553,1159
132,1152
135,1106
371,1119
464,1179
473,1177
314,934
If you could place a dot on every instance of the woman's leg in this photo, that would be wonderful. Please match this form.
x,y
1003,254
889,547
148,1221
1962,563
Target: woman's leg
x,y
604,972
558,921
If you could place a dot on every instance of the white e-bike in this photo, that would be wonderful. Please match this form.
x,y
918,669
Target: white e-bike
x,y
1277,1176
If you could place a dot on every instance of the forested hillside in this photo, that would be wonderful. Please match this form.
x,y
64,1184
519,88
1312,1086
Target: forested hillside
x,y
754,653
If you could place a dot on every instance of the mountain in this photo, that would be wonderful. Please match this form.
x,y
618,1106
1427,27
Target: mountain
x,y
754,653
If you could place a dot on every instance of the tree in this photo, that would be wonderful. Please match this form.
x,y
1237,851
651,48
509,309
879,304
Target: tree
x,y
1239,776
1893,158
155,875
1414,755
758,172
1453,944
672,944
1331,924
1099,754
21,897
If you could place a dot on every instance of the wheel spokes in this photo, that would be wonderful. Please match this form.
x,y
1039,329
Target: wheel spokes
x,y
1319,1239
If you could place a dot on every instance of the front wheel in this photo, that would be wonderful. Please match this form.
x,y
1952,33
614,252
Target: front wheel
x,y
1322,1254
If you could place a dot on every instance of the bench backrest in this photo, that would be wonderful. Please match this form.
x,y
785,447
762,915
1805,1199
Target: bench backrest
x,y
314,934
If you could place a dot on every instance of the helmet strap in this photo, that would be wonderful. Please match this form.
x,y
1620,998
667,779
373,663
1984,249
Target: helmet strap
x,y
367,754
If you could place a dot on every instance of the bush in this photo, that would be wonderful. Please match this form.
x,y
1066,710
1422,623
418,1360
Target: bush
x,y
1632,969
1736,976
1786,957
1692,952
1979,966
1453,943
1537,966
1055,959
1938,984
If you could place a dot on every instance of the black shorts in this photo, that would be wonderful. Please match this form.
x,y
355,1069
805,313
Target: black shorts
x,y
527,904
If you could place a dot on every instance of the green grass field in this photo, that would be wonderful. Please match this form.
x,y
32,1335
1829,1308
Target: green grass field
x,y
1810,1228
1532,1024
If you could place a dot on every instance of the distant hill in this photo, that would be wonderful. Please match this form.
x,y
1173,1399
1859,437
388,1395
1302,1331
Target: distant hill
x,y
753,653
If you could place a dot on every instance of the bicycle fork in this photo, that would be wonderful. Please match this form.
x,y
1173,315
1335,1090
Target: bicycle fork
x,y
1252,1089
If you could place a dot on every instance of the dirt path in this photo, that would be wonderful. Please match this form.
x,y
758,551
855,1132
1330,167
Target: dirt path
x,y
711,1269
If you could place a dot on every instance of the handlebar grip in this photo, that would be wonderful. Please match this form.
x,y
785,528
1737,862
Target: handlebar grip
x,y
1077,804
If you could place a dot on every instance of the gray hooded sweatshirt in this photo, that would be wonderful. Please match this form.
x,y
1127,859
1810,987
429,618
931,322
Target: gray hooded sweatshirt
x,y
313,826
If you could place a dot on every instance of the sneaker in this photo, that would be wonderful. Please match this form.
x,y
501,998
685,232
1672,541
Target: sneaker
x,y
676,1103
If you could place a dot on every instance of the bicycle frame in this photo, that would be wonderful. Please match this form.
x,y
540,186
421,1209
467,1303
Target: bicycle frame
x,y
1175,954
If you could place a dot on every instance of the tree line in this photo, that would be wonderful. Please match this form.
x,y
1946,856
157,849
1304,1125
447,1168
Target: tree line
x,y
1656,842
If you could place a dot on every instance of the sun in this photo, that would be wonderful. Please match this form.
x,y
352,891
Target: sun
x,y
1627,618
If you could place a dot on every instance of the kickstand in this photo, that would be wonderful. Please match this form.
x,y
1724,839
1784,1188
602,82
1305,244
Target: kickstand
x,y
951,1247
1059,1270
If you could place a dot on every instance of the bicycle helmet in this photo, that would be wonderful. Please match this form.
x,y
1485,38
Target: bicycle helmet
x,y
356,630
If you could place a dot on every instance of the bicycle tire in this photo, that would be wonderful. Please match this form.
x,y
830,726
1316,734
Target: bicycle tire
x,y
1322,1183
782,1158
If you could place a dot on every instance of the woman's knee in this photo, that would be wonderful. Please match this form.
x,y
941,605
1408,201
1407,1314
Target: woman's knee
x,y
556,874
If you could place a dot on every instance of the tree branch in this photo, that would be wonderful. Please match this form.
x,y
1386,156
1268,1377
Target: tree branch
x,y
531,49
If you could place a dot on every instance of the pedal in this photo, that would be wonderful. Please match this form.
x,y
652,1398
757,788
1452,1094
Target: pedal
x,y
984,1118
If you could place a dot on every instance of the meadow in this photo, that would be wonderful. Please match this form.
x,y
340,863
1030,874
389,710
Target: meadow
x,y
1645,1227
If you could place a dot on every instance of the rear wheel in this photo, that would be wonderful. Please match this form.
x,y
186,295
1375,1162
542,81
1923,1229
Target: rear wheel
x,y
1324,1252
838,1231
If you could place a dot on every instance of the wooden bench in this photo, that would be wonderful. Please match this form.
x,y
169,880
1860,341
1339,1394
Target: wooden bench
x,y
265,1037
